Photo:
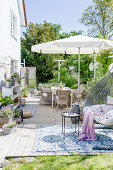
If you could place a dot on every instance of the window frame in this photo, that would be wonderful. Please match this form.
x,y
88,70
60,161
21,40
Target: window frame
x,y
13,24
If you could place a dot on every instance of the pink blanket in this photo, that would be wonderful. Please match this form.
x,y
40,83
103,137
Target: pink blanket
x,y
88,132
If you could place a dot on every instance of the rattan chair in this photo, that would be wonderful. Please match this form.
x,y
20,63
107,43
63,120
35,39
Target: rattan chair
x,y
62,97
99,93
46,96
98,98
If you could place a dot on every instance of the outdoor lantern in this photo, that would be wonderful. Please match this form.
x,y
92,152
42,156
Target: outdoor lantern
x,y
75,109
91,67
71,68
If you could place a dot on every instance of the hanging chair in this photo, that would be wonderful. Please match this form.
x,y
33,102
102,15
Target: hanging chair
x,y
98,98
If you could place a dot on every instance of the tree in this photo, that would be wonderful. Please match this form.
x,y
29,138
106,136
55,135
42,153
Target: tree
x,y
99,17
72,33
36,34
40,33
104,59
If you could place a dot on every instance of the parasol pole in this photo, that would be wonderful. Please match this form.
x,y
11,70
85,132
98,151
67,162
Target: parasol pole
x,y
78,75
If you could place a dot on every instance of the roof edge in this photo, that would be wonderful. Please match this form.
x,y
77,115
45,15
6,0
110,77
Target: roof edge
x,y
24,12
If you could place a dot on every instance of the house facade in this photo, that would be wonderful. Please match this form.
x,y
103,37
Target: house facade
x,y
12,17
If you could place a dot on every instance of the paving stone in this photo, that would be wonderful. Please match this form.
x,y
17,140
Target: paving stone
x,y
30,159
6,163
18,160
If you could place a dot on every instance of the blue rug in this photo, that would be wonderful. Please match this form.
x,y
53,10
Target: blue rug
x,y
50,139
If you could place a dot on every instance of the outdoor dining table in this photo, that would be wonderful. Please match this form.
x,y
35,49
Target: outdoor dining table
x,y
54,89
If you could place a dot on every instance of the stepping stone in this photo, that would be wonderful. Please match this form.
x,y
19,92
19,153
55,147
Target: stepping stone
x,y
30,159
18,160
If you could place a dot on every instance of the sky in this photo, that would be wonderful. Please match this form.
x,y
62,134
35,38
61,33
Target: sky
x,y
64,12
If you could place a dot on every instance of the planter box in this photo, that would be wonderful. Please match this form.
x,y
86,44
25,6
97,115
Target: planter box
x,y
7,131
8,84
4,120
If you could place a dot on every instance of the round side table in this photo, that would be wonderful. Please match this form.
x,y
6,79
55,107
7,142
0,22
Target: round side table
x,y
70,115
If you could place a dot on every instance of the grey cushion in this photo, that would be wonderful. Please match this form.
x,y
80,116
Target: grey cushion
x,y
106,108
94,108
104,121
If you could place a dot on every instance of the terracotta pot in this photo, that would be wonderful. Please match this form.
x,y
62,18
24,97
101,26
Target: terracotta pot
x,y
4,120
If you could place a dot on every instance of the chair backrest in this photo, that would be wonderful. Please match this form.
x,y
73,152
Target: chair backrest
x,y
63,94
44,90
57,84
99,93
75,109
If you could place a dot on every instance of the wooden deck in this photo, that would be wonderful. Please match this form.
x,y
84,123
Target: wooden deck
x,y
21,143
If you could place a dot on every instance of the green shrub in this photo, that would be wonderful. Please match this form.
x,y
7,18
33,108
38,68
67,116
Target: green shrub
x,y
17,113
25,92
6,100
74,86
10,124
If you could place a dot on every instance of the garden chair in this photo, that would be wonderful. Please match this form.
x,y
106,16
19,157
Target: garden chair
x,y
74,96
62,97
46,96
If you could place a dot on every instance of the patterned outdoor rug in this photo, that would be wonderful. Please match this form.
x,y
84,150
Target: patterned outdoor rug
x,y
50,139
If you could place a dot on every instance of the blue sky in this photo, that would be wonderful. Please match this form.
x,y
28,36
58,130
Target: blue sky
x,y
64,12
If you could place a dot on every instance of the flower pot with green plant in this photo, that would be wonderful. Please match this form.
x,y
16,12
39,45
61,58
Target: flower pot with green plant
x,y
8,83
17,116
25,92
6,114
9,128
15,77
6,100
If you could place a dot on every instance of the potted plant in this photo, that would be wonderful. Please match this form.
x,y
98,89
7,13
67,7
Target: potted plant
x,y
6,100
9,128
6,114
15,77
25,92
8,82
17,116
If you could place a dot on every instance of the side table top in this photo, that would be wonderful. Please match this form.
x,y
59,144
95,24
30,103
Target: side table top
x,y
70,114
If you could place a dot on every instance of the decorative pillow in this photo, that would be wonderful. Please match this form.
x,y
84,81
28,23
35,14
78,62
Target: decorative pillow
x,y
104,121
106,108
109,100
94,108
109,114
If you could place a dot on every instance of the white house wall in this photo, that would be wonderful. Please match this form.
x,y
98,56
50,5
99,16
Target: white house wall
x,y
9,46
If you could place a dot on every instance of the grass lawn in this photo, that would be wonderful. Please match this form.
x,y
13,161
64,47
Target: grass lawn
x,y
73,162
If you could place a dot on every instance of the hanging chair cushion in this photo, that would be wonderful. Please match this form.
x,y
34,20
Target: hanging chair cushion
x,y
101,109
108,121
94,108
106,108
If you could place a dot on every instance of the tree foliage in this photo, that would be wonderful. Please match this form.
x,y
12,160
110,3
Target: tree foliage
x,y
45,63
103,57
36,34
99,18
72,33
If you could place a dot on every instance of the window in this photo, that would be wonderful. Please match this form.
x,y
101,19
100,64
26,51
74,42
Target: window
x,y
14,66
13,24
